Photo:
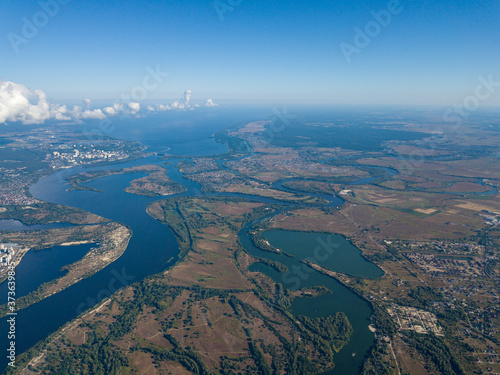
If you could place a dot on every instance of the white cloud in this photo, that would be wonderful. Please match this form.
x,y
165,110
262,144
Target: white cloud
x,y
77,113
183,103
161,107
119,108
93,114
21,104
18,103
114,110
87,102
210,103
59,113
134,106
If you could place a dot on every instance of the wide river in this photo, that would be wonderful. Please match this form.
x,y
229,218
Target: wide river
x,y
153,248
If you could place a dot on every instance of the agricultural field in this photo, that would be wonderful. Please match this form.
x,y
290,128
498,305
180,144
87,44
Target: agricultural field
x,y
208,314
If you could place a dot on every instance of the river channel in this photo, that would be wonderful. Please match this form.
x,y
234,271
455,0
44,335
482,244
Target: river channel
x,y
153,248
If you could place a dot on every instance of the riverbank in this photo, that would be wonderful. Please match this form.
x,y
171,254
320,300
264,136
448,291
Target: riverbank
x,y
113,241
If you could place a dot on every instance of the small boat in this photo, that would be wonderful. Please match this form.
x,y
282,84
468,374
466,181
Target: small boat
x,y
353,354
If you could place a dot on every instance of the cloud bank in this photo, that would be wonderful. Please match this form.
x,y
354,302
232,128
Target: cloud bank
x,y
182,104
18,103
210,103
21,104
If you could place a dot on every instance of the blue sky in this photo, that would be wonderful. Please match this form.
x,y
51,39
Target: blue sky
x,y
432,52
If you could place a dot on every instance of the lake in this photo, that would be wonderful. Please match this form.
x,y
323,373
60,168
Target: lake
x,y
327,250
344,257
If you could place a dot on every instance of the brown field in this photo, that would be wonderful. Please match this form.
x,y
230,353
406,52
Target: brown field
x,y
272,193
253,127
314,219
312,186
428,211
289,163
438,175
373,195
467,187
395,224
480,205
171,314
385,222
210,263
410,361
394,184
475,168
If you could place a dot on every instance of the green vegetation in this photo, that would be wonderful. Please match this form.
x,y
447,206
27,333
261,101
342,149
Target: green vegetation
x,y
295,361
187,357
334,328
97,356
235,145
383,321
47,213
262,243
260,361
282,297
376,363
435,350
280,267
255,315
172,216
101,353
420,297
14,158
365,139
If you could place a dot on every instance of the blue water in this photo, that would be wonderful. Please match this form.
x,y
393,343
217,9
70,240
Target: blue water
x,y
330,251
183,133
302,245
41,266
